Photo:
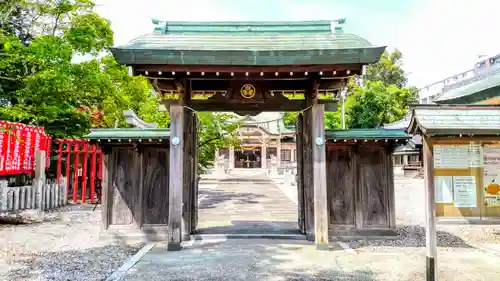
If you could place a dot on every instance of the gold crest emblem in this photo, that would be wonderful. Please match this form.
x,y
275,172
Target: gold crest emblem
x,y
247,91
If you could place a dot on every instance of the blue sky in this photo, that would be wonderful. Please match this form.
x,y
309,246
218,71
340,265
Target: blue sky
x,y
437,37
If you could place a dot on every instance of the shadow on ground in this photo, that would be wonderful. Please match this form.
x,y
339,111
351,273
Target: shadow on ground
x,y
246,180
253,227
244,260
73,213
412,236
209,199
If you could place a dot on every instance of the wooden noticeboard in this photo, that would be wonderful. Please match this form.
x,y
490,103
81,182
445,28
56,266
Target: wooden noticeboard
x,y
467,178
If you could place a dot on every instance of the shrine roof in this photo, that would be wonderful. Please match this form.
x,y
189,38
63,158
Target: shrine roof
x,y
248,43
403,125
455,119
129,134
270,122
400,124
366,134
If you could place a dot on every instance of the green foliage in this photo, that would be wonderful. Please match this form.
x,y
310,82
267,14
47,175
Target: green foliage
x,y
388,69
127,92
376,104
383,96
40,85
215,130
290,118
89,33
332,119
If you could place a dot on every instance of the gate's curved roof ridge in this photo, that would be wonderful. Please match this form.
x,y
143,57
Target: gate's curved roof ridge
x,y
248,43
211,27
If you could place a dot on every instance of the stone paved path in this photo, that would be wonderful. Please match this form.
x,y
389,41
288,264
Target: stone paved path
x,y
219,258
248,205
289,260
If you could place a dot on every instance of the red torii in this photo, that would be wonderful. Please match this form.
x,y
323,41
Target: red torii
x,y
79,147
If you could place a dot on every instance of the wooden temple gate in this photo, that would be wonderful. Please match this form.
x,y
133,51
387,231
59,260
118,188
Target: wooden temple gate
x,y
150,180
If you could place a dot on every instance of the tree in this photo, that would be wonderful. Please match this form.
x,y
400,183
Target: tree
x,y
389,70
332,119
128,92
382,97
41,85
16,18
289,118
216,130
376,104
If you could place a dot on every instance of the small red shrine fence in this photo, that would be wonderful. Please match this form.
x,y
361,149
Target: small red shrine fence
x,y
82,168
18,144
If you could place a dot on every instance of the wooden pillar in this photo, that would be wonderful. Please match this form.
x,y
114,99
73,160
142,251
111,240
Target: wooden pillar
x,y
176,169
300,172
40,179
278,153
308,161
308,179
187,175
430,212
263,156
106,186
195,176
319,164
231,157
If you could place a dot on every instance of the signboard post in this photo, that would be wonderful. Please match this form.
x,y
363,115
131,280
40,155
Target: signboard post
x,y
430,211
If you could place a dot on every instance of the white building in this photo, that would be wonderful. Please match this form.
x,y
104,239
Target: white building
x,y
486,65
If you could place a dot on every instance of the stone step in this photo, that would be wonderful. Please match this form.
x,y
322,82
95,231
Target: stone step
x,y
197,237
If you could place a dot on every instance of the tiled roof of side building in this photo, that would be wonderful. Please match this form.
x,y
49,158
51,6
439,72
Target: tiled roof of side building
x,y
129,133
366,134
455,119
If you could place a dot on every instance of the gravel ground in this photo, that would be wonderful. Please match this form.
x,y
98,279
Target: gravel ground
x,y
410,213
65,247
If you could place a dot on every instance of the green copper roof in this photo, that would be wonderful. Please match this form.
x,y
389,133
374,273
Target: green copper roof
x,y
455,119
248,43
128,133
482,89
366,134
246,27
